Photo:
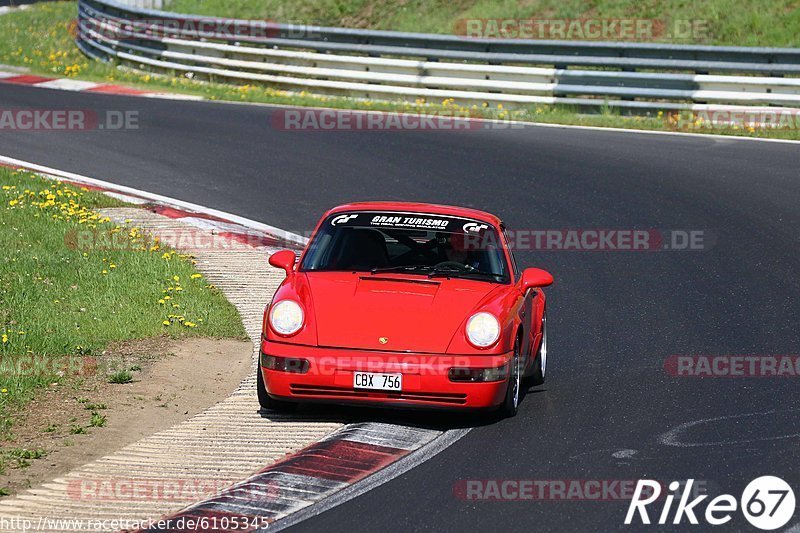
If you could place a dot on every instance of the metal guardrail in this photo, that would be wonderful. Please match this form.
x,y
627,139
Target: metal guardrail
x,y
395,65
145,4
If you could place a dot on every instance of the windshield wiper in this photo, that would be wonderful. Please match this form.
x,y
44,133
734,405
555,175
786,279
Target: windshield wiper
x,y
456,273
403,268
439,272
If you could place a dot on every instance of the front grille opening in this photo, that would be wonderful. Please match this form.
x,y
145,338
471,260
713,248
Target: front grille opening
x,y
343,392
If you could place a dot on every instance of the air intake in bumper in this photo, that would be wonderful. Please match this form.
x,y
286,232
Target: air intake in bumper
x,y
433,397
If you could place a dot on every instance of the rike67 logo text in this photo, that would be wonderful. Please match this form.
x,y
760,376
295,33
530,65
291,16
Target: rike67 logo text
x,y
767,503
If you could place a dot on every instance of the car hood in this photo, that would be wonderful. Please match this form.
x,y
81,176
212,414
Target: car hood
x,y
392,312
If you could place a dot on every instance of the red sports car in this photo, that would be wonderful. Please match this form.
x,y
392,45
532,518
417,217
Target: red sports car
x,y
404,304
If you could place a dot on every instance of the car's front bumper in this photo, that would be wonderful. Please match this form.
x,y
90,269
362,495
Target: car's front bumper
x,y
426,382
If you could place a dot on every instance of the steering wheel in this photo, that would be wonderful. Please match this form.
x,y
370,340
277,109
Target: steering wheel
x,y
453,265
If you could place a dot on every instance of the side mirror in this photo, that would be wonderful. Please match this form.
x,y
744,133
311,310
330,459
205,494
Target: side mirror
x,y
284,259
535,277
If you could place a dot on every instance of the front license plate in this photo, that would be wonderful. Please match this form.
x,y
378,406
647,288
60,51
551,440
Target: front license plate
x,y
373,380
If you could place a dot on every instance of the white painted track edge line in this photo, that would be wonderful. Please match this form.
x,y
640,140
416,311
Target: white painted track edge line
x,y
384,475
78,178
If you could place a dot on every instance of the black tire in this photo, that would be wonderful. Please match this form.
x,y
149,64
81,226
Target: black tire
x,y
510,404
270,404
540,363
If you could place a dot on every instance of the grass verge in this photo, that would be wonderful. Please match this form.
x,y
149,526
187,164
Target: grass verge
x,y
61,305
723,22
40,39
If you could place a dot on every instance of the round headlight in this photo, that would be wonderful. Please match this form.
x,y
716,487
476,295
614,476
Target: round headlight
x,y
286,317
483,329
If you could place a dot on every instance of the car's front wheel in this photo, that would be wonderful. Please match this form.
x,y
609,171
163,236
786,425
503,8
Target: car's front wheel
x,y
268,403
510,405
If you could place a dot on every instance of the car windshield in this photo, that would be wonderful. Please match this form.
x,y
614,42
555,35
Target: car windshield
x,y
385,242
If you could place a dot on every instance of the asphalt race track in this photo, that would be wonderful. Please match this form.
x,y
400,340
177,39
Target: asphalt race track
x,y
609,410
